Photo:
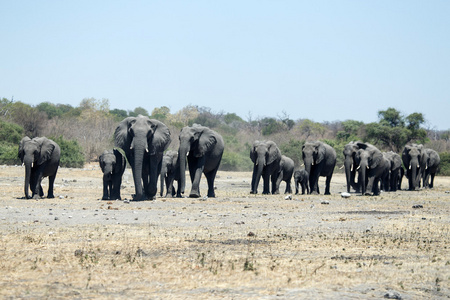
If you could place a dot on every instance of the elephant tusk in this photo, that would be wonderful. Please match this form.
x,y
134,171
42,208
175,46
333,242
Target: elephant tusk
x,y
351,169
302,165
341,167
146,150
358,168
367,167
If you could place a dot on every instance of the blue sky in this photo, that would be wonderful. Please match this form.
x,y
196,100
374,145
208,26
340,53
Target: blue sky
x,y
321,60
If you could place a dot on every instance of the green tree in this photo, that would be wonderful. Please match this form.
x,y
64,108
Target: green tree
x,y
71,153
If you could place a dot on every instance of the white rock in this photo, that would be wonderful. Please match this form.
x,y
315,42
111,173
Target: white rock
x,y
345,195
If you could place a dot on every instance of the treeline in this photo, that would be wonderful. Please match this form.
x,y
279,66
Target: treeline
x,y
83,132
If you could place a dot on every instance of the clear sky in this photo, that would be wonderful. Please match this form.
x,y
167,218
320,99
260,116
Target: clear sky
x,y
321,60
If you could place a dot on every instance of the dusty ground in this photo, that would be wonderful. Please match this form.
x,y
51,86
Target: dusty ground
x,y
235,246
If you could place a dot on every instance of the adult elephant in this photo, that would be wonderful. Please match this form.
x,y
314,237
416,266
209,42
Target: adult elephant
x,y
373,167
40,157
432,161
143,140
350,166
266,157
412,157
203,148
285,174
170,172
320,160
395,171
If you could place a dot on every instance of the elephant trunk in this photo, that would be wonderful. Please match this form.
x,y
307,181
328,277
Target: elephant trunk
x,y
363,168
415,176
28,166
348,163
182,153
139,150
257,173
163,177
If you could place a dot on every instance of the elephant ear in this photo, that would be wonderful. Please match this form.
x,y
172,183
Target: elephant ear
x,y
320,152
377,157
274,152
101,162
120,160
47,147
21,153
362,145
206,141
253,154
122,138
160,139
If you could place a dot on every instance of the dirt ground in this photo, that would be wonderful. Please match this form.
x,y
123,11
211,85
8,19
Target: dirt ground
x,y
234,246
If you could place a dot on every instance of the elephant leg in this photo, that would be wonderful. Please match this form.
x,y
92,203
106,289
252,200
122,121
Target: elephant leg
x,y
154,169
369,188
327,185
105,190
51,184
314,185
115,187
432,180
210,177
276,180
288,189
266,183
196,174
296,187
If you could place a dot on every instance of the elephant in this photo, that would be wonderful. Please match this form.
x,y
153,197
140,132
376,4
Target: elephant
x,y
144,141
113,165
285,174
170,172
414,163
395,171
350,166
373,168
203,148
301,177
40,156
266,158
320,160
432,161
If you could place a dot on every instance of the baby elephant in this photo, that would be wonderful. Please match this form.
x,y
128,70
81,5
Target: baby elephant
x,y
113,165
301,177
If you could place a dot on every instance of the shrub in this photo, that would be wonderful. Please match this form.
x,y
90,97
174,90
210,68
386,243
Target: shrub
x,y
71,153
293,150
444,168
8,154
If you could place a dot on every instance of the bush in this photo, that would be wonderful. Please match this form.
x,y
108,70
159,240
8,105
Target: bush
x,y
444,168
71,153
8,154
293,150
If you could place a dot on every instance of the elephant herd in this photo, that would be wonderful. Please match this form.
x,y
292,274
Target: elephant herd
x,y
143,143
367,169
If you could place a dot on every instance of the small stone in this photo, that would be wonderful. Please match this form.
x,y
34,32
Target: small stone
x,y
417,206
345,195
288,197
325,202
393,295
251,234
56,218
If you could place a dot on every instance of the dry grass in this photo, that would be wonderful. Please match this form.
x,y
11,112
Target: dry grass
x,y
236,246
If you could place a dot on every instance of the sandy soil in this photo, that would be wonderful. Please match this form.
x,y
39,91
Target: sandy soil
x,y
234,246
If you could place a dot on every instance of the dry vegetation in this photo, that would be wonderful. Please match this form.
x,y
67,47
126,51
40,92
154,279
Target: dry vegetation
x,y
236,246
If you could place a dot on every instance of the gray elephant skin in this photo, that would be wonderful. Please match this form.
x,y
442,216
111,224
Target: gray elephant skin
x,y
395,171
432,161
144,141
266,158
113,164
170,172
414,163
40,157
285,174
373,168
320,160
350,166
203,149
301,177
